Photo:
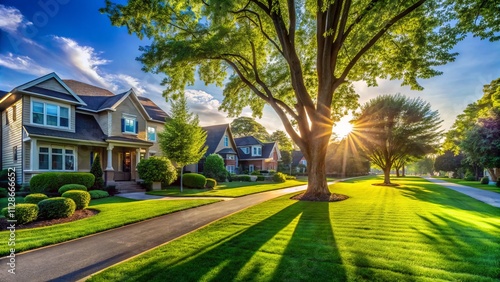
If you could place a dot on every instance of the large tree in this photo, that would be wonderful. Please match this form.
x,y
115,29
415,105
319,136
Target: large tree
x,y
300,57
448,161
182,140
246,126
393,127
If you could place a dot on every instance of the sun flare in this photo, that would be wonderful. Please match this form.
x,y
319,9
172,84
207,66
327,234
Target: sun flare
x,y
343,127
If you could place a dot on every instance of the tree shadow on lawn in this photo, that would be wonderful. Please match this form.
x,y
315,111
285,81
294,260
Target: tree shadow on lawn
x,y
310,254
433,193
465,248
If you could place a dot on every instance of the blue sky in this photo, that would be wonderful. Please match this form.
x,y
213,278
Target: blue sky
x,y
74,40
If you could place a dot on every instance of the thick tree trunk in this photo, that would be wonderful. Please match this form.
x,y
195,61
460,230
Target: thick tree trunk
x,y
317,188
493,176
403,173
387,175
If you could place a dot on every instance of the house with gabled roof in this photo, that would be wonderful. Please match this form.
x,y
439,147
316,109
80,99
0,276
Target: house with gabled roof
x,y
219,141
299,161
256,155
50,124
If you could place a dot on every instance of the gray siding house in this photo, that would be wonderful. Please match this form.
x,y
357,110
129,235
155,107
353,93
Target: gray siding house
x,y
50,124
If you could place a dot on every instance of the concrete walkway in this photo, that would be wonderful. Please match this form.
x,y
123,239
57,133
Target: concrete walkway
x,y
488,197
76,259
144,196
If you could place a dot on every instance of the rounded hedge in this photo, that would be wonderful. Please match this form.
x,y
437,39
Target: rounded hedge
x,y
24,213
57,207
3,193
279,177
214,168
98,194
485,180
194,180
469,177
81,198
211,183
50,182
35,198
157,169
69,187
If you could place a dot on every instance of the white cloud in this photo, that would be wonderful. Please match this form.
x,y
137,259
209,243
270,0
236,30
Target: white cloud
x,y
127,81
11,19
22,64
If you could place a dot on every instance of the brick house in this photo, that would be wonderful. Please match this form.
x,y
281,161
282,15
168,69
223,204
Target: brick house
x,y
256,155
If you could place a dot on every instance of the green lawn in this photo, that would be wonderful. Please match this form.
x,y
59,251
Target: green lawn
x,y
114,212
475,184
418,231
230,189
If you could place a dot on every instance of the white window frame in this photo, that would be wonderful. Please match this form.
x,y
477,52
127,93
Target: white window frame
x,y
58,117
134,122
231,168
256,151
230,157
245,150
251,168
63,154
147,133
226,141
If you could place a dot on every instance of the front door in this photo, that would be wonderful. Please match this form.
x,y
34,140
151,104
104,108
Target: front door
x,y
122,172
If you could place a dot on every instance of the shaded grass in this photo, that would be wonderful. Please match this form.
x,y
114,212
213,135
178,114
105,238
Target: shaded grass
x,y
418,231
229,189
475,184
113,212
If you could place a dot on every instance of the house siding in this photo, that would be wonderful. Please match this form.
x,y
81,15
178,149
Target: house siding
x,y
105,122
128,107
156,145
53,84
11,137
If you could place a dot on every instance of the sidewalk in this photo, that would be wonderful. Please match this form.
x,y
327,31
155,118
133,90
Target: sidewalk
x,y
488,197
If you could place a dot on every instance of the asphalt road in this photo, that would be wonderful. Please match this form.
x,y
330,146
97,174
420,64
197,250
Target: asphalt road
x,y
76,259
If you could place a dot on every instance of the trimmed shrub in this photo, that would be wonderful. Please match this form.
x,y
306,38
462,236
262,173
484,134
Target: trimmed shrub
x,y
211,183
485,180
157,169
98,194
81,198
261,178
255,172
279,177
24,213
69,187
96,170
245,178
290,177
469,177
194,180
35,198
50,182
57,207
3,193
214,168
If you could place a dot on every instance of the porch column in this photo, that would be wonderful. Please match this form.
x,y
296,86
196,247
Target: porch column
x,y
146,155
110,172
137,160
33,155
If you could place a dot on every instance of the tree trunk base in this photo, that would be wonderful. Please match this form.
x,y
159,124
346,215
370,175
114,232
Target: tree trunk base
x,y
320,198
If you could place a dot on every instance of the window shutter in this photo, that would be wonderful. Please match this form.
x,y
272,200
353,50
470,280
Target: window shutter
x,y
123,125
136,127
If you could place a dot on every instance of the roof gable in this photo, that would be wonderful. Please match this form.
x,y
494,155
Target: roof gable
x,y
214,135
247,141
52,86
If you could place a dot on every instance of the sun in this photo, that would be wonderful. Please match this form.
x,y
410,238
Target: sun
x,y
343,127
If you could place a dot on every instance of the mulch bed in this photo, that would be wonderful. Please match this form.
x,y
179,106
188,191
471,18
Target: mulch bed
x,y
331,198
79,214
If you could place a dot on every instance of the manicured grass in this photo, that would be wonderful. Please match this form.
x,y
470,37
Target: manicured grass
x,y
418,231
229,189
475,184
114,212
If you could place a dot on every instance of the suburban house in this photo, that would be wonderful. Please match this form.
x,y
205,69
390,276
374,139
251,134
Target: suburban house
x,y
219,141
255,155
50,124
299,162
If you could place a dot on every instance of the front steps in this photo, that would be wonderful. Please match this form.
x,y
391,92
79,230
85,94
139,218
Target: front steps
x,y
128,187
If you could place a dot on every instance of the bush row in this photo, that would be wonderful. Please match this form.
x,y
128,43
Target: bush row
x,y
194,180
98,194
50,182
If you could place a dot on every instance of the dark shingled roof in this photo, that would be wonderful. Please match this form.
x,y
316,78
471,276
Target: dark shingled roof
x,y
52,93
296,157
97,103
226,151
128,139
85,89
214,135
87,128
153,110
247,141
267,149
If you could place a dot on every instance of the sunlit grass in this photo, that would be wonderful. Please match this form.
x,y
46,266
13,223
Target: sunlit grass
x,y
230,189
114,212
475,184
418,231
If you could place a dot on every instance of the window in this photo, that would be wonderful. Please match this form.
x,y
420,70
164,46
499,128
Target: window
x,y
129,125
151,133
230,168
245,150
50,114
14,152
7,117
56,158
251,168
229,157
304,162
226,141
256,151
14,117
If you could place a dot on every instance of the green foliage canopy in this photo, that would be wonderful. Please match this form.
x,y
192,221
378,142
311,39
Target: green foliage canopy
x,y
245,126
214,168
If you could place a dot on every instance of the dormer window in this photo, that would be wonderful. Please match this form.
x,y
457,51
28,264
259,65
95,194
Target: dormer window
x,y
226,141
152,133
50,114
245,150
129,125
256,151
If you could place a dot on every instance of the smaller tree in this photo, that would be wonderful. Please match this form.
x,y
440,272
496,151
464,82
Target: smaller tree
x,y
96,170
214,168
157,169
183,140
448,162
285,146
